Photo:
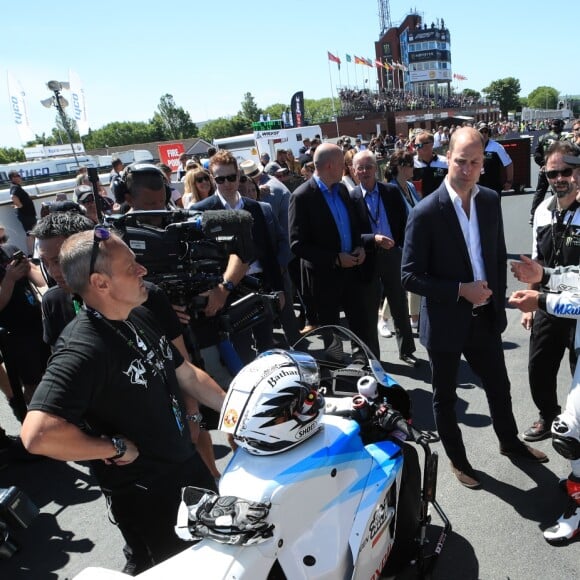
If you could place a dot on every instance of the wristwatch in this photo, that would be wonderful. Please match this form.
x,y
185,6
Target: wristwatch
x,y
195,417
228,285
120,447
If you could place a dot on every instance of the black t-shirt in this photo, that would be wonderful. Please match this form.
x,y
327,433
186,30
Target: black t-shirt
x,y
27,209
492,171
58,310
431,174
558,242
22,314
97,381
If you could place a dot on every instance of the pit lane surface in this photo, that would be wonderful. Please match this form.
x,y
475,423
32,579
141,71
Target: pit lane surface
x,y
496,530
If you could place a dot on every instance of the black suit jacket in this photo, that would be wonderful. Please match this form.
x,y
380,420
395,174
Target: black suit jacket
x,y
314,236
396,214
265,251
436,260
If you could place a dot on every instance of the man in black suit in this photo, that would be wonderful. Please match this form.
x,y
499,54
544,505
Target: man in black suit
x,y
383,214
325,234
224,168
455,257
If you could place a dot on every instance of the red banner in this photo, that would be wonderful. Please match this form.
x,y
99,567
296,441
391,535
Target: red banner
x,y
169,154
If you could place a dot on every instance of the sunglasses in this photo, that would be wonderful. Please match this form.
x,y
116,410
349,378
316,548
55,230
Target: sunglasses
x,y
201,179
421,145
407,164
243,178
553,173
100,234
88,199
221,178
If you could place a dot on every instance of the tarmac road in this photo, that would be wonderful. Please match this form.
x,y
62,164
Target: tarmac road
x,y
496,530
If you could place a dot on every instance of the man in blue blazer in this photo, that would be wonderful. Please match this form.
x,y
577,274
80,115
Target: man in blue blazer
x,y
455,257
325,234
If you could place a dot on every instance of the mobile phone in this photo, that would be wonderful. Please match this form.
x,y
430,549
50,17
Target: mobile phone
x,y
18,256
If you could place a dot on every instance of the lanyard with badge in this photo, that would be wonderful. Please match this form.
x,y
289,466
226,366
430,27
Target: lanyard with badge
x,y
138,343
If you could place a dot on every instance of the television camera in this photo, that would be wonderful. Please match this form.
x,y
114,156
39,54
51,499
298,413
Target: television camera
x,y
186,253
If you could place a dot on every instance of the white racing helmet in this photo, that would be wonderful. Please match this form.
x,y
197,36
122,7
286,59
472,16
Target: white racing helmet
x,y
273,404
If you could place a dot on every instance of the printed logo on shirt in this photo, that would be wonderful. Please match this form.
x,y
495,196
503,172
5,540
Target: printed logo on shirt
x,y
136,373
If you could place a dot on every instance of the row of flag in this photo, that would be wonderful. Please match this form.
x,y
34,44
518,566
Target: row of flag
x,y
367,62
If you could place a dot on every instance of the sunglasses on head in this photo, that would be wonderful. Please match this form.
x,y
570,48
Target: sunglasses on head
x,y
100,234
201,179
553,173
221,178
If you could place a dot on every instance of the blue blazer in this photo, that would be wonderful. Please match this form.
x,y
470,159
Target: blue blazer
x,y
435,260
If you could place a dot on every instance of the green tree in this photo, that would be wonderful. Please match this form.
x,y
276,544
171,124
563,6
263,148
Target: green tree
x,y
218,128
543,98
11,154
505,92
470,93
275,111
122,133
250,112
320,110
173,122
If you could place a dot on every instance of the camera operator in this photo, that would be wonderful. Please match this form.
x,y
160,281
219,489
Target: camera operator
x,y
146,190
224,168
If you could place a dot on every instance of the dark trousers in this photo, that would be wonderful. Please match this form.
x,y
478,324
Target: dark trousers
x,y
388,266
541,189
549,339
342,290
484,353
146,515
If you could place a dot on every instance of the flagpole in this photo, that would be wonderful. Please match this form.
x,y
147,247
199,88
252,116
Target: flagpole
x,y
332,98
347,75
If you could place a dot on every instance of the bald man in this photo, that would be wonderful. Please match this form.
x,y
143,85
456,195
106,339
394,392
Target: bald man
x,y
325,233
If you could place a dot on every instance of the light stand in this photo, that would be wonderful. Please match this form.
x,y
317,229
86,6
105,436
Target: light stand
x,y
60,103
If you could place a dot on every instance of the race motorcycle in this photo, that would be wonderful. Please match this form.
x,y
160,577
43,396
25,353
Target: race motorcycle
x,y
326,482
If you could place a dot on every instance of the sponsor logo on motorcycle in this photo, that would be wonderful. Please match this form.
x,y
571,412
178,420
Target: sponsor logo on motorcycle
x,y
230,418
306,430
379,521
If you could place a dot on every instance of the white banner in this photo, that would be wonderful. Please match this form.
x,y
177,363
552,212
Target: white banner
x,y
18,106
41,151
78,105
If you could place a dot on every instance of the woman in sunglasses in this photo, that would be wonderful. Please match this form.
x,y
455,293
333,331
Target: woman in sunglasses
x,y
197,185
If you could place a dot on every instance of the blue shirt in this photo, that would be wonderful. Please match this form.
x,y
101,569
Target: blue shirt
x,y
376,211
339,213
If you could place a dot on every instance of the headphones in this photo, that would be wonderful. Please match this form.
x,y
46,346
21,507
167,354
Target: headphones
x,y
124,183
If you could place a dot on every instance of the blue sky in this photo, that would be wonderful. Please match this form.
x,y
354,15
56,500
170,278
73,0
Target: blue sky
x,y
208,55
